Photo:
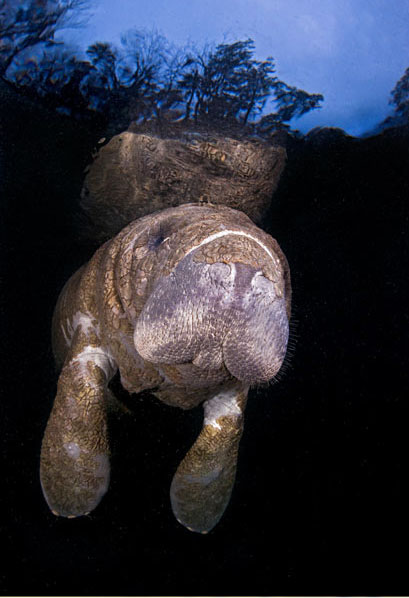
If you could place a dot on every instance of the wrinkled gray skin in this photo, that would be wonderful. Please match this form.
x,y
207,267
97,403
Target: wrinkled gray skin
x,y
213,315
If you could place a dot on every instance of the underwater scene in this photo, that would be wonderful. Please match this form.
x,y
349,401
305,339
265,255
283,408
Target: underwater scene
x,y
204,213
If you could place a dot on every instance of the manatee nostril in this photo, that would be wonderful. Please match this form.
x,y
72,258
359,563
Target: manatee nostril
x,y
221,269
222,275
244,274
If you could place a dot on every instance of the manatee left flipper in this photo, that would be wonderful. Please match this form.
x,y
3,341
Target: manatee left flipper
x,y
74,465
203,483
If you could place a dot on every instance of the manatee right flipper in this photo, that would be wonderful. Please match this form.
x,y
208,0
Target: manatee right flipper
x,y
74,466
202,485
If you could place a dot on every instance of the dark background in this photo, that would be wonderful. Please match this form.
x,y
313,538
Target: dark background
x,y
320,503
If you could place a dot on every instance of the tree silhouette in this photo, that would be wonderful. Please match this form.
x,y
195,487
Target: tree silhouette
x,y
105,60
34,23
146,78
135,81
230,84
101,85
227,83
400,99
56,77
293,102
169,97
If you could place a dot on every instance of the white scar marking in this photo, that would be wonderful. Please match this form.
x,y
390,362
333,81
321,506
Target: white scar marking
x,y
223,233
100,357
79,319
223,404
72,449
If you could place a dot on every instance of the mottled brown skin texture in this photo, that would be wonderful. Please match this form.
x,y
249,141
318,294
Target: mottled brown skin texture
x,y
192,302
137,173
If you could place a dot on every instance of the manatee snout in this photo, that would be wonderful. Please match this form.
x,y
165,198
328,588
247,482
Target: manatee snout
x,y
255,346
215,316
255,343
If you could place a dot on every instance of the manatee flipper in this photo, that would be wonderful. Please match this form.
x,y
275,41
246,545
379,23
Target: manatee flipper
x,y
74,465
202,485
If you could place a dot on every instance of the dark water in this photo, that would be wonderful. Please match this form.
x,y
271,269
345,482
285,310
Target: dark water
x,y
320,502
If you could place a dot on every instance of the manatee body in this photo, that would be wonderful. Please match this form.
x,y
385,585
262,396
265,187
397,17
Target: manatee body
x,y
137,173
192,302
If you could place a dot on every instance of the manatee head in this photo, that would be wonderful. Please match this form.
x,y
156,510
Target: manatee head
x,y
223,316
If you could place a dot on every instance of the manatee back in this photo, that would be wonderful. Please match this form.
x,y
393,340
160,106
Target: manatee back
x,y
137,173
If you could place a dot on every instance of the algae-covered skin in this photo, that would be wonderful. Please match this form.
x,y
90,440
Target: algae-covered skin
x,y
192,302
137,173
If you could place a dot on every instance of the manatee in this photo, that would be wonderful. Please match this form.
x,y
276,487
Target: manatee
x,y
139,172
190,302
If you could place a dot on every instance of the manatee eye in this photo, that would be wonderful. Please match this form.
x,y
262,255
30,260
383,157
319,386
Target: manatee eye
x,y
156,242
156,238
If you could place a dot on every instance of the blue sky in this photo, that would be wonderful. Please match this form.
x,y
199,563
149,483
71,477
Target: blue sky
x,y
351,51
